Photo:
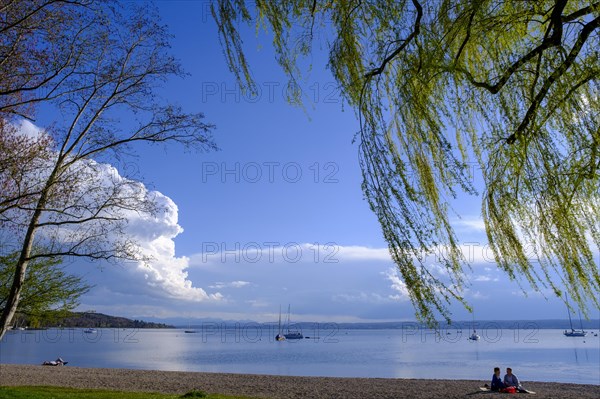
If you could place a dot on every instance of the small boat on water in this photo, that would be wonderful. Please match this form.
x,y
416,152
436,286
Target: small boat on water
x,y
90,331
474,336
574,332
190,330
292,334
279,336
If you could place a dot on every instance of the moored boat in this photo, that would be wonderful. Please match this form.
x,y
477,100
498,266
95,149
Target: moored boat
x,y
292,334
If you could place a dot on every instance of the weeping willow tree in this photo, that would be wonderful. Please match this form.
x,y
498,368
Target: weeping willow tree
x,y
436,84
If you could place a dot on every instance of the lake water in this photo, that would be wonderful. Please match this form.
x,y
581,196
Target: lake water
x,y
409,352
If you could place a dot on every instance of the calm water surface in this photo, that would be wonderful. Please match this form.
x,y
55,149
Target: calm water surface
x,y
534,355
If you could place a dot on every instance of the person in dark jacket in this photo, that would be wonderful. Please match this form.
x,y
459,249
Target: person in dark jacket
x,y
497,383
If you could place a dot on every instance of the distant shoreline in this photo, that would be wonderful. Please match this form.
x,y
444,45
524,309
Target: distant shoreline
x,y
543,324
266,386
91,320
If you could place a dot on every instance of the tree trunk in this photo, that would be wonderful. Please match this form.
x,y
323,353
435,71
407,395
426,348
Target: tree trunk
x,y
13,298
12,302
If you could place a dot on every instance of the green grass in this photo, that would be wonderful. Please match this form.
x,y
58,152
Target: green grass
x,y
72,393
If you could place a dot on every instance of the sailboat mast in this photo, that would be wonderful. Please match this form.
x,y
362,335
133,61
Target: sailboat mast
x,y
569,311
279,325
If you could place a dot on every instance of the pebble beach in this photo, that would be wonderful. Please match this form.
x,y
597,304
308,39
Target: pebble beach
x,y
265,386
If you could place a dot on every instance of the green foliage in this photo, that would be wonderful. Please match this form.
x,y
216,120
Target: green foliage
x,y
195,394
48,292
438,85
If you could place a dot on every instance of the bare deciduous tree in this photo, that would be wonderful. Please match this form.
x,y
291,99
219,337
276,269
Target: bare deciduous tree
x,y
104,96
40,48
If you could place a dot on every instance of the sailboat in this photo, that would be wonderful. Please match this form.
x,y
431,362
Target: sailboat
x,y
474,336
574,332
279,336
190,330
291,334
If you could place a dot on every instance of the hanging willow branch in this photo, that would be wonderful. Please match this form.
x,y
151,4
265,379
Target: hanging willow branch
x,y
436,84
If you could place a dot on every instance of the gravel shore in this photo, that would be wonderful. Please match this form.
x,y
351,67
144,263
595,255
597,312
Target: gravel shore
x,y
264,386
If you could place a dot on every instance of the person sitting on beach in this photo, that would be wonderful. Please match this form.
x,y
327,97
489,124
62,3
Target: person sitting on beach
x,y
497,383
511,380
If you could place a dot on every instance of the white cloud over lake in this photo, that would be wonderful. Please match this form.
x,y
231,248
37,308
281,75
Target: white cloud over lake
x,y
162,274
323,281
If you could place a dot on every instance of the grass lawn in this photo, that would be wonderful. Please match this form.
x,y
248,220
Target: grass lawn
x,y
72,393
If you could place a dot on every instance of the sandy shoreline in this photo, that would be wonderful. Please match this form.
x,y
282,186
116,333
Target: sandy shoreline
x,y
264,386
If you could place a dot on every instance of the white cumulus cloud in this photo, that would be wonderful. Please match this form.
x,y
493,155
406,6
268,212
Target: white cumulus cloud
x,y
232,284
162,274
397,285
165,274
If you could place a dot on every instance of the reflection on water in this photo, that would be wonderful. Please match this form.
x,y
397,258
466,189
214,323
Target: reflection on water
x,y
540,355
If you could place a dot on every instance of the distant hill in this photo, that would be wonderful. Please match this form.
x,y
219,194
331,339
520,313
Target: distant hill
x,y
492,324
593,324
100,320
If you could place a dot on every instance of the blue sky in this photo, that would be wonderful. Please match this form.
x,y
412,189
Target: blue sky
x,y
276,216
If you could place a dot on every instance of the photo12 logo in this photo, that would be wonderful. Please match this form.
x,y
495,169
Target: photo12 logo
x,y
269,251
270,92
489,332
269,172
252,332
76,335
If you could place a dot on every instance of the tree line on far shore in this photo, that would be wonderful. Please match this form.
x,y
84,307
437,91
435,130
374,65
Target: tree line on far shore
x,y
82,320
